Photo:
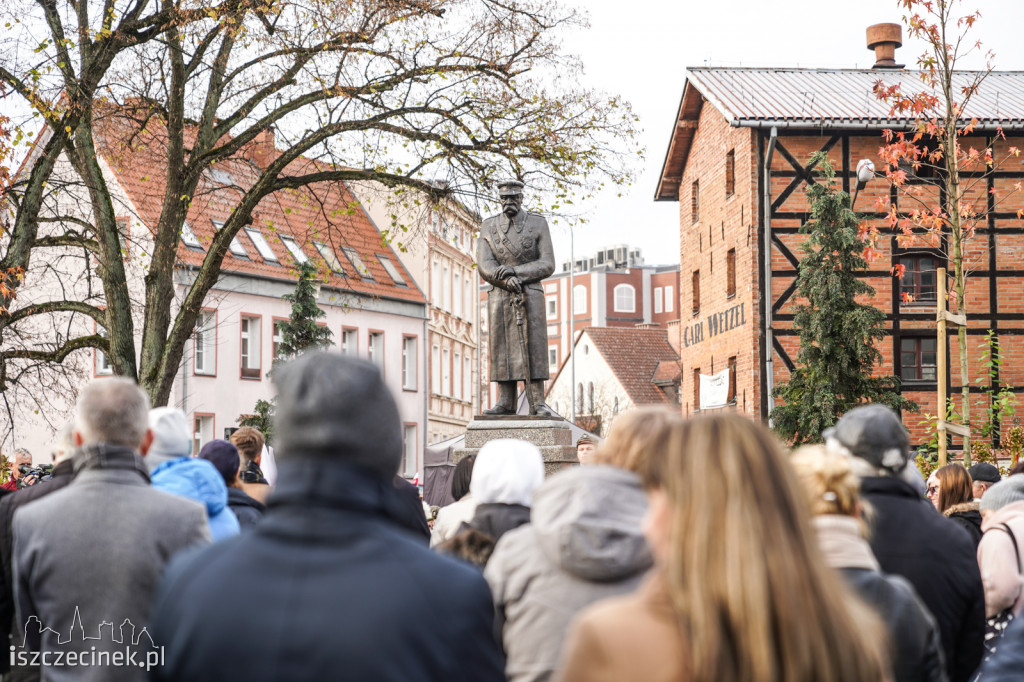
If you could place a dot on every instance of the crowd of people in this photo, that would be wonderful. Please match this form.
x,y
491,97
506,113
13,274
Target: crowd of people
x,y
682,549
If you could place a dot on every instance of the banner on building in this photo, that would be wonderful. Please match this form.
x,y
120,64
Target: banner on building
x,y
714,390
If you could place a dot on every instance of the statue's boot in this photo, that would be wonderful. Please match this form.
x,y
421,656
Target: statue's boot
x,y
506,399
541,409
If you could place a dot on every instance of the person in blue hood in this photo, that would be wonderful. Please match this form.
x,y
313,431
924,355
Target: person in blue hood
x,y
172,470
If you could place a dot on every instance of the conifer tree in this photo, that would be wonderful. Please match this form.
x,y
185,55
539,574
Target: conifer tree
x,y
835,366
300,333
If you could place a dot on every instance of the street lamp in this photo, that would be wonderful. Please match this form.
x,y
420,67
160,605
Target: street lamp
x,y
865,171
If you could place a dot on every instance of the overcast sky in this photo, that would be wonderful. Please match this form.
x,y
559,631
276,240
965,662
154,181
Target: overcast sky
x,y
640,49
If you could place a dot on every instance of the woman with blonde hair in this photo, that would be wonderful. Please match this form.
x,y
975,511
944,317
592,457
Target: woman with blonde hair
x,y
740,590
833,496
634,436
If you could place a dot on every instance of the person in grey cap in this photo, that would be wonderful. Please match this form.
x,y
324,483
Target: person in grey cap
x,y
983,477
909,538
351,585
1002,547
514,253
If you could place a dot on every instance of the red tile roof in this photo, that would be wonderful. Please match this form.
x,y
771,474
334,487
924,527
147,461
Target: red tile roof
x,y
635,356
326,212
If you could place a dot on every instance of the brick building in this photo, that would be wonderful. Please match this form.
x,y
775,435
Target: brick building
x,y
738,164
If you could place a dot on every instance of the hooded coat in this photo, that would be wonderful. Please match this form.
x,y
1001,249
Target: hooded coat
x,y
197,479
966,514
1001,571
583,544
505,476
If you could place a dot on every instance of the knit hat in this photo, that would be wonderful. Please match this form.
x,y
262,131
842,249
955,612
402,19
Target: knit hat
x,y
1003,493
224,455
171,436
873,433
983,471
331,406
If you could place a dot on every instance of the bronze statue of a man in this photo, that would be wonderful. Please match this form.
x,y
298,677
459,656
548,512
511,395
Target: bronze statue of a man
x,y
514,254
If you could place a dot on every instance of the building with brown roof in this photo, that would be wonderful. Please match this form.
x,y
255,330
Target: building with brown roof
x,y
617,368
738,163
373,306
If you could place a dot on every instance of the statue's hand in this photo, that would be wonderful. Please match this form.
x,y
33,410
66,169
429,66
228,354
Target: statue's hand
x,y
514,285
502,272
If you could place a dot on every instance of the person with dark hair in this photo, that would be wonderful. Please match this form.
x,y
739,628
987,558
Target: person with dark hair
x,y
450,518
909,538
951,491
225,458
356,587
983,477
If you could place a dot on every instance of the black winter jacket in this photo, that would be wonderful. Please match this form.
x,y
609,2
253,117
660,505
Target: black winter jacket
x,y
247,510
968,517
496,519
937,557
913,632
328,586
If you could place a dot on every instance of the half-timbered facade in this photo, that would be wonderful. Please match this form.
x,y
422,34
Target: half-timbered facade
x,y
738,163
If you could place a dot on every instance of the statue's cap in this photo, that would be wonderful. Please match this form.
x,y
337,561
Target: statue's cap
x,y
509,187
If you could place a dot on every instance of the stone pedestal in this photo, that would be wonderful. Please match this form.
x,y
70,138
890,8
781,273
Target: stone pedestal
x,y
552,436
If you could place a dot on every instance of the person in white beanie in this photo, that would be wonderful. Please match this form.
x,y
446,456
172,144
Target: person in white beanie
x,y
506,473
173,470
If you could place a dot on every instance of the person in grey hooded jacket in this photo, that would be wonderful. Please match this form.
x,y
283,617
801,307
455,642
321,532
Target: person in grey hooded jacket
x,y
583,543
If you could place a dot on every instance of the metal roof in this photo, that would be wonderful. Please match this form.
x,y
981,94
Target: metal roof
x,y
843,98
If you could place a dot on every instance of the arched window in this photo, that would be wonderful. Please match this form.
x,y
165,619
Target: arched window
x,y
590,396
625,298
615,408
579,397
579,300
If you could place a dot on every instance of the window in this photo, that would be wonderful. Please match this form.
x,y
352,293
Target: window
x,y
917,356
261,244
730,173
457,376
446,289
467,378
328,255
235,246
446,372
552,307
670,299
696,291
579,300
375,349
918,284
657,300
202,432
625,298
206,343
696,389
349,341
221,177
392,271
189,237
732,379
409,363
250,347
297,253
278,337
122,234
357,262
435,370
579,398
553,356
435,287
469,298
590,396
457,295
730,273
103,366
694,201
409,450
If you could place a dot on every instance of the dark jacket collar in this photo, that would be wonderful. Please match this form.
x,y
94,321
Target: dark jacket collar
x,y
335,485
888,485
107,456
65,468
238,496
251,473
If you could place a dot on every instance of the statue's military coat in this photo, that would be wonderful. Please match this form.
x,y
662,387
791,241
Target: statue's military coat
x,y
524,246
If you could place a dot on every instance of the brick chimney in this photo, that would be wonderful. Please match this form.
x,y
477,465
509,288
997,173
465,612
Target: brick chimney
x,y
264,150
884,39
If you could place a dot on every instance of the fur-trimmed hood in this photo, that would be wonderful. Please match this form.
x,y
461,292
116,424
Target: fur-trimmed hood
x,y
963,508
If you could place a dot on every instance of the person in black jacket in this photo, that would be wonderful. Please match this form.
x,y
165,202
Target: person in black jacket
x,y
909,538
224,456
330,585
834,498
950,489
60,477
